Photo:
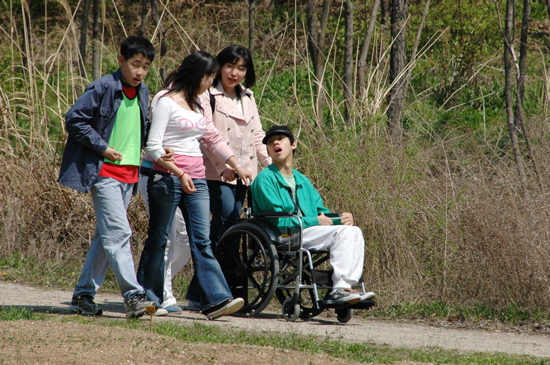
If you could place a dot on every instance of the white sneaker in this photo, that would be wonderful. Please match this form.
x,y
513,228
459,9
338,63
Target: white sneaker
x,y
367,295
227,309
161,312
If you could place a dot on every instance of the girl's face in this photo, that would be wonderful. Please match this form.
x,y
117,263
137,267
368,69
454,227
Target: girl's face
x,y
206,82
232,74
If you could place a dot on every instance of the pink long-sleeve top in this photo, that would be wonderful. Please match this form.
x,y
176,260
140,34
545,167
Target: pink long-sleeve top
x,y
183,131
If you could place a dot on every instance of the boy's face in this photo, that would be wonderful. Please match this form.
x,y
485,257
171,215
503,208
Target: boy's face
x,y
134,69
279,147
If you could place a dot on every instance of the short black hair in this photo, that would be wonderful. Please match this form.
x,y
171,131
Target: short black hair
x,y
232,54
134,45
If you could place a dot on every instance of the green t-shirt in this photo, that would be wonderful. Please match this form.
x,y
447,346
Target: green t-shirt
x,y
126,135
291,182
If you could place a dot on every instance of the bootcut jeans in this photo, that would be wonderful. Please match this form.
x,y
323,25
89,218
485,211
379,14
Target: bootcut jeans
x,y
165,195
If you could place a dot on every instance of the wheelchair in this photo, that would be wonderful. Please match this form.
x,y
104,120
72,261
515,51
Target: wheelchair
x,y
259,262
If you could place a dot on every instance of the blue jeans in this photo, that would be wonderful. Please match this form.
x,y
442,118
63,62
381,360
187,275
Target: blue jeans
x,y
165,195
226,204
110,246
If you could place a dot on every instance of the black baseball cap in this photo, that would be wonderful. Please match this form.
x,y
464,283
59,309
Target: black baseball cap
x,y
278,129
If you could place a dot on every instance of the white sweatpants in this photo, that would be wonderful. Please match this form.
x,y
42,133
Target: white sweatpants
x,y
177,252
347,247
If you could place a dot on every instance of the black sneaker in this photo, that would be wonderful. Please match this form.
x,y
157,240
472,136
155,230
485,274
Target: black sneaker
x,y
225,308
136,306
84,304
341,296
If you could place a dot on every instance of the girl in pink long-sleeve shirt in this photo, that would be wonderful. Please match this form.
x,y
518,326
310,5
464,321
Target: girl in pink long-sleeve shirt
x,y
178,123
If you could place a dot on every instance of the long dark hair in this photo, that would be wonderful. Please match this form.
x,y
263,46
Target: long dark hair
x,y
232,54
187,78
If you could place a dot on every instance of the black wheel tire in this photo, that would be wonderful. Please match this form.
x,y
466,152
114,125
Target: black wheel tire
x,y
344,314
290,309
250,265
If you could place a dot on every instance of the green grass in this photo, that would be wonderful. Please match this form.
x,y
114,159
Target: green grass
x,y
16,314
512,315
360,352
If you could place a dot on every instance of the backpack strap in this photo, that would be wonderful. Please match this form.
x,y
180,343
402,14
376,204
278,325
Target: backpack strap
x,y
212,102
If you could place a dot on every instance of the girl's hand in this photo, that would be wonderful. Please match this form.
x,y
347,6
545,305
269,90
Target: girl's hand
x,y
187,184
228,175
244,175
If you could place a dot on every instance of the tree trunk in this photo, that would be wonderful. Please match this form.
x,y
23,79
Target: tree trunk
x,y
508,49
417,43
348,62
365,50
398,60
386,13
84,37
252,25
520,90
316,45
143,26
96,45
162,35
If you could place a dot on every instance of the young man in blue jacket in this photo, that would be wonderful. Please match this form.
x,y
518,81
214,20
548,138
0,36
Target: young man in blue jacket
x,y
106,129
280,188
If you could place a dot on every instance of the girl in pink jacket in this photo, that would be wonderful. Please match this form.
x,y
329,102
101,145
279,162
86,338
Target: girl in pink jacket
x,y
235,114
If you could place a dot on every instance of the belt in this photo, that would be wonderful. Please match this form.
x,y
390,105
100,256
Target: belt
x,y
146,171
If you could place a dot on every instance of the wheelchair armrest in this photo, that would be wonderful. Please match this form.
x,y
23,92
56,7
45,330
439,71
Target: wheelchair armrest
x,y
333,215
273,214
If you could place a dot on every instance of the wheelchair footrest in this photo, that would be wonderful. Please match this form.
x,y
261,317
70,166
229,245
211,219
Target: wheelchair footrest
x,y
364,304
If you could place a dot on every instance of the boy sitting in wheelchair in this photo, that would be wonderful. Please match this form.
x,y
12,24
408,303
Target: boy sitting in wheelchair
x,y
280,188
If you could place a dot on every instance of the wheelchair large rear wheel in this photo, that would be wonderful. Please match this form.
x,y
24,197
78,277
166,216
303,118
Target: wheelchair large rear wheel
x,y
249,261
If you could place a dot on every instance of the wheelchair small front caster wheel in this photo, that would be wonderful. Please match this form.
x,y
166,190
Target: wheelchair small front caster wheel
x,y
291,310
344,314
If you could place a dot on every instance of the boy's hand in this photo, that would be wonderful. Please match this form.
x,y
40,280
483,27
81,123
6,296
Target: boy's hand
x,y
187,184
112,154
168,155
324,220
347,219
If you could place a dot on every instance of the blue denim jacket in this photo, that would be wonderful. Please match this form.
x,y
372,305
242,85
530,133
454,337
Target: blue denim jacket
x,y
89,124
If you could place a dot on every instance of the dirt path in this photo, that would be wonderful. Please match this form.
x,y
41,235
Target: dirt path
x,y
56,336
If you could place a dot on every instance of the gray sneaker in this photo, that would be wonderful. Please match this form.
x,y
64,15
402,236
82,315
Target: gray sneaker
x,y
136,306
84,304
341,296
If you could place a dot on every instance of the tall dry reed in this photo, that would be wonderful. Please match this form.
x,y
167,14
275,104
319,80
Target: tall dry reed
x,y
443,218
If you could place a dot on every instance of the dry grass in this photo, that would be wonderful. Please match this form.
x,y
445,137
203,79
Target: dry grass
x,y
443,221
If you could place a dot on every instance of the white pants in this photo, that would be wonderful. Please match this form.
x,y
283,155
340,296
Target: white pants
x,y
177,252
347,249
